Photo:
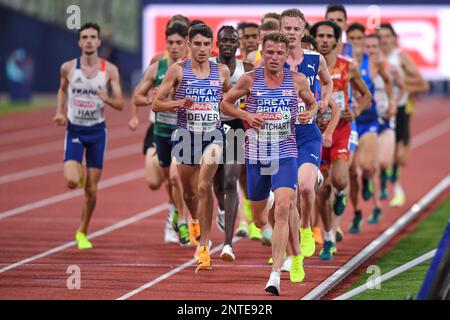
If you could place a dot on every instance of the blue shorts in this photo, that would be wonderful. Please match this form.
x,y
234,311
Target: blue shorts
x,y
188,147
92,138
368,127
385,124
164,150
282,175
309,145
353,141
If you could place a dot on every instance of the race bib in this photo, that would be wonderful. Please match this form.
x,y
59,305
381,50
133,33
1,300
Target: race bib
x,y
169,118
300,108
203,117
339,98
276,126
381,99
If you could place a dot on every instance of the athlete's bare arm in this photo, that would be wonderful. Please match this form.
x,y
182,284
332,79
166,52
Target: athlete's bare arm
x,y
141,97
326,85
332,124
304,91
225,78
157,57
241,89
361,87
61,99
248,67
116,100
414,81
392,110
171,81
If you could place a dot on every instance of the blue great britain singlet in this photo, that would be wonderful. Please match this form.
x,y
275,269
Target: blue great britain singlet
x,y
368,115
204,115
276,138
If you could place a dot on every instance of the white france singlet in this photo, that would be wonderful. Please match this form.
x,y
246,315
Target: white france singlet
x,y
85,108
394,59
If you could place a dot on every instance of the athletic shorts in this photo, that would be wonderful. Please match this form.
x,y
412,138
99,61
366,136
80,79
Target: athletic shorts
x,y
93,139
353,141
367,127
234,147
164,150
309,145
339,150
149,140
402,133
188,147
282,175
385,124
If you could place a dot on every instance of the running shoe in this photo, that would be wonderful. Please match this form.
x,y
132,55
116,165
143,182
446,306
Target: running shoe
x,y
367,189
174,220
82,241
197,249
242,230
297,273
317,235
254,233
247,210
340,202
384,193
356,223
227,253
398,200
183,232
339,234
194,232
170,236
266,238
220,220
328,250
307,243
204,260
273,285
375,216
287,263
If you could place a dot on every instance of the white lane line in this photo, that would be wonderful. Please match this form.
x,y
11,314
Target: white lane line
x,y
170,273
121,224
431,134
114,181
56,167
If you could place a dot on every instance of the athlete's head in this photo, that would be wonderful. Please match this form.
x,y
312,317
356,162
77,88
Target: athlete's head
x,y
307,28
267,27
271,16
292,24
250,36
388,37
179,18
309,43
327,34
200,42
89,38
176,40
372,45
355,35
275,51
227,41
337,14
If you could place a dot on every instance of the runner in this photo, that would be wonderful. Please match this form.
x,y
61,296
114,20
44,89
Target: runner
x,y
272,17
250,39
228,176
82,97
198,141
159,167
343,73
254,57
270,147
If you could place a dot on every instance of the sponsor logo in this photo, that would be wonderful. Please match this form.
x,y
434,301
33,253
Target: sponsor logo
x,y
312,67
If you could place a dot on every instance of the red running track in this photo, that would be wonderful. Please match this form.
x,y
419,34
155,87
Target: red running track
x,y
38,218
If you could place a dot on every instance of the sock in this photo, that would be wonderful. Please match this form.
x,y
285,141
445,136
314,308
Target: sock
x,y
340,193
383,179
358,212
329,236
395,172
172,208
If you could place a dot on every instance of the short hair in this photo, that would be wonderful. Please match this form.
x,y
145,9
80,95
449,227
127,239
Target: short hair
x,y
276,36
337,30
180,19
293,12
201,29
310,40
196,22
229,28
336,7
373,35
272,15
177,28
89,25
250,25
269,26
241,25
307,25
388,26
356,26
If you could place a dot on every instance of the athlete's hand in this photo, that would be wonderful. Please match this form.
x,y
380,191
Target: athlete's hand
x,y
348,115
391,110
133,123
255,120
186,103
305,117
322,107
327,139
103,94
60,119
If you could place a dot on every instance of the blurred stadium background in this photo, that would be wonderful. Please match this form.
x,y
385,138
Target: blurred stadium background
x,y
35,32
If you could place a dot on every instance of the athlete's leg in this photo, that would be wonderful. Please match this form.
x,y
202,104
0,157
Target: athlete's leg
x,y
73,173
307,177
154,175
367,159
90,200
189,181
232,174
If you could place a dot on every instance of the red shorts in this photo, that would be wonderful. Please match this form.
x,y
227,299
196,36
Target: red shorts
x,y
339,148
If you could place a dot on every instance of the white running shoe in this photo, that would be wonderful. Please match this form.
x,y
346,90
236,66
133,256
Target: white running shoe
x,y
287,264
271,200
170,236
273,285
227,254
220,219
